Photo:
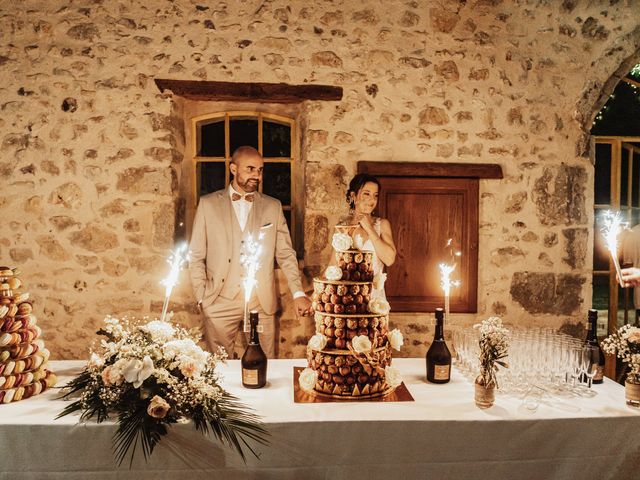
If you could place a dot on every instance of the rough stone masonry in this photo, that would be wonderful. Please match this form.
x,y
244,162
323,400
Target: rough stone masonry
x,y
91,153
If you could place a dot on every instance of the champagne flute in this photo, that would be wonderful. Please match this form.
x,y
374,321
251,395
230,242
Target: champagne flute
x,y
593,354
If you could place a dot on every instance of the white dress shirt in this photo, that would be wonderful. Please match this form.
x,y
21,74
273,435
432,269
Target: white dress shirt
x,y
242,208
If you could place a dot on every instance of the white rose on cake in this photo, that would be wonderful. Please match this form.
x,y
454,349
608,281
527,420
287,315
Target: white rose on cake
x,y
333,273
341,242
361,343
395,339
392,376
307,379
318,342
379,306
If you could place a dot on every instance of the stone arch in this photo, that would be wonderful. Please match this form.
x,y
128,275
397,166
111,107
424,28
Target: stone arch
x,y
622,55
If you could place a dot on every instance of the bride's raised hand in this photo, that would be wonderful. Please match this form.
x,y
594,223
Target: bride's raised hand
x,y
365,223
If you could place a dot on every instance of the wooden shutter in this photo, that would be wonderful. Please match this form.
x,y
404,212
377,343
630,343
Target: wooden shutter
x,y
426,208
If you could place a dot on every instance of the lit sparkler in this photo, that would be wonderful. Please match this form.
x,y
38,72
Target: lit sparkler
x,y
178,258
446,269
250,261
613,225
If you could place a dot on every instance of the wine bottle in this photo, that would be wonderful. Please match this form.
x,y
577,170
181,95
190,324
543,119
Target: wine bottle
x,y
254,361
438,355
592,339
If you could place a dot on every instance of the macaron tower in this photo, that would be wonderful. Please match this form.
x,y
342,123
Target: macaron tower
x,y
23,358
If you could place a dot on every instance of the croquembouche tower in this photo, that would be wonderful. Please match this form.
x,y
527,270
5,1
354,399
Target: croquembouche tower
x,y
349,357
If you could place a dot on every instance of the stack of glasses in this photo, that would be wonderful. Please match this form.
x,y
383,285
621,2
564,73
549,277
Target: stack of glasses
x,y
555,362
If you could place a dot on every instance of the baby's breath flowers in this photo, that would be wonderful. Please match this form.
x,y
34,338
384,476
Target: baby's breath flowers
x,y
494,347
625,344
151,375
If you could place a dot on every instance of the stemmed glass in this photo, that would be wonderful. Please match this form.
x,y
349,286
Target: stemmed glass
x,y
591,354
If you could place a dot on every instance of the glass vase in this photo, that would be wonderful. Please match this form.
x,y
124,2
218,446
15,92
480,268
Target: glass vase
x,y
484,396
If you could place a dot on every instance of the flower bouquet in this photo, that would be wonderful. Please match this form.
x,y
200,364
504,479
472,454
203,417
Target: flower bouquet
x,y
625,344
494,347
153,375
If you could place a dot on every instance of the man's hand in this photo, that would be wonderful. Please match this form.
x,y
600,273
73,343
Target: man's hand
x,y
630,277
303,306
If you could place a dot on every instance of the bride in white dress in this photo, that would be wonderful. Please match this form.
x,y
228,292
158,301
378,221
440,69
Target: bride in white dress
x,y
372,233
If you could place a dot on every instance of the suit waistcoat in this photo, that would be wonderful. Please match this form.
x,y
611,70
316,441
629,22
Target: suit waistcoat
x,y
233,283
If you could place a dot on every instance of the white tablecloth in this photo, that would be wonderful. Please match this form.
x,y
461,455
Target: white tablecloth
x,y
442,434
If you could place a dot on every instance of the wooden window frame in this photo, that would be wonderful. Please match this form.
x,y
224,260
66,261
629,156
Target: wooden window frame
x,y
228,116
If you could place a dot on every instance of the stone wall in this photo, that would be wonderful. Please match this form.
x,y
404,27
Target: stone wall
x,y
91,154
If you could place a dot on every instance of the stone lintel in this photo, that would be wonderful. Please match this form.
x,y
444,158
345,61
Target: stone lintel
x,y
249,92
431,169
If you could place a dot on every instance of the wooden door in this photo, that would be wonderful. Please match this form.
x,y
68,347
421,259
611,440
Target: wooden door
x,y
424,214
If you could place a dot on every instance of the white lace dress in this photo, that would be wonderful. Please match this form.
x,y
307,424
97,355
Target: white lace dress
x,y
378,266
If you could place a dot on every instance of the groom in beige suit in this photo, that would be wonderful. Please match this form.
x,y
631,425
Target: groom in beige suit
x,y
222,222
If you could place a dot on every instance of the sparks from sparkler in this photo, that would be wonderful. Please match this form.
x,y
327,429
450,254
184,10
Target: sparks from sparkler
x,y
250,261
613,225
178,258
446,269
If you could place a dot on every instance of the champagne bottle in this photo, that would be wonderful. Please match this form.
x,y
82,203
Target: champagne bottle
x,y
438,355
254,361
592,339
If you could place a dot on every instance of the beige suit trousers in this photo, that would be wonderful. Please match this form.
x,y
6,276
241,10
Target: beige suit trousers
x,y
225,317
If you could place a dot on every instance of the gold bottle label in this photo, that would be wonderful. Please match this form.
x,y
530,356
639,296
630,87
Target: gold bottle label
x,y
250,377
599,373
441,372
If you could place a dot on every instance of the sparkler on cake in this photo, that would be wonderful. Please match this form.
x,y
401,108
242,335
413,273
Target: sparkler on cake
x,y
446,269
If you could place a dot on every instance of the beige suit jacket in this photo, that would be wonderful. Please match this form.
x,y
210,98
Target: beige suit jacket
x,y
211,247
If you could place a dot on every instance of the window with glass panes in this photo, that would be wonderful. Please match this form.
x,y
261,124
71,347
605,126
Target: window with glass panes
x,y
616,188
217,136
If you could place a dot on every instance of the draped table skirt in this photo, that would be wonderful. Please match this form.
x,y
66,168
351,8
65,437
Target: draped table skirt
x,y
442,434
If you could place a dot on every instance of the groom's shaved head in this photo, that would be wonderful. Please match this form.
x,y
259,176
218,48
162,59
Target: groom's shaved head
x,y
244,152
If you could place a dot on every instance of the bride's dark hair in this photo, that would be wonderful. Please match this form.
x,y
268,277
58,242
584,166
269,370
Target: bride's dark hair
x,y
356,184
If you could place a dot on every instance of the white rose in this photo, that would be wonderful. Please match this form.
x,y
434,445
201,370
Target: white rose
x,y
341,242
136,371
395,339
307,379
333,273
159,331
186,347
379,306
318,342
158,407
378,281
633,335
361,343
358,242
111,376
392,376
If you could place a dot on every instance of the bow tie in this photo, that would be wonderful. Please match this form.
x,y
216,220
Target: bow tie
x,y
248,197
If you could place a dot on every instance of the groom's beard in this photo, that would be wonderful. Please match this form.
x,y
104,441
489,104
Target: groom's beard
x,y
248,185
